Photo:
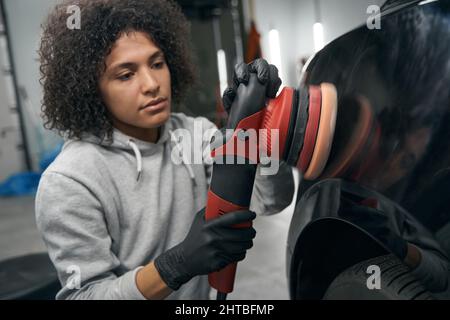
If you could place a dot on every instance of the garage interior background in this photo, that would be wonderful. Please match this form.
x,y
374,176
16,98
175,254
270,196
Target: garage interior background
x,y
219,34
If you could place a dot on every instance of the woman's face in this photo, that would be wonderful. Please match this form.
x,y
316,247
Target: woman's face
x,y
136,86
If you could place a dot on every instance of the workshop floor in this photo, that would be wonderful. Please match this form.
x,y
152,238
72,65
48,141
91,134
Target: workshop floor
x,y
261,276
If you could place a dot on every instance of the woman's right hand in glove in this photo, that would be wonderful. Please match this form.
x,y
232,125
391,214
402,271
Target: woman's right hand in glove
x,y
209,246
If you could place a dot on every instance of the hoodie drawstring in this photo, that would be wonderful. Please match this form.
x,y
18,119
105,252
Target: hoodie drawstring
x,y
138,155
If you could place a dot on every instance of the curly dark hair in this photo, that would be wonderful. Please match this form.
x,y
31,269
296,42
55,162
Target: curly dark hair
x,y
73,60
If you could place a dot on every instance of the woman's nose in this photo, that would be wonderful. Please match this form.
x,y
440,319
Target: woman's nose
x,y
149,83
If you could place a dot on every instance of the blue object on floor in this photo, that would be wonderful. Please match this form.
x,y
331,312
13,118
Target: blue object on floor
x,y
26,184
22,184
49,157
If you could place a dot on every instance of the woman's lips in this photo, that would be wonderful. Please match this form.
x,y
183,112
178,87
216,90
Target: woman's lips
x,y
156,107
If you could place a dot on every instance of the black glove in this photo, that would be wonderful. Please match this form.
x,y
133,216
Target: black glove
x,y
267,74
377,224
209,246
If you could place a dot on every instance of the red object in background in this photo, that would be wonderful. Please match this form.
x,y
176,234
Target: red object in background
x,y
253,45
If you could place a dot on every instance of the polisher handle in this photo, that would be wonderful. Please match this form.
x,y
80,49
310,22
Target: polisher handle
x,y
232,182
231,190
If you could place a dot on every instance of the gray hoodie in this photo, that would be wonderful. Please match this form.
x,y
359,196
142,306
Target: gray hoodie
x,y
106,209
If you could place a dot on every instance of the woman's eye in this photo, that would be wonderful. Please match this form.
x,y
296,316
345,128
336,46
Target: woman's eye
x,y
125,77
158,65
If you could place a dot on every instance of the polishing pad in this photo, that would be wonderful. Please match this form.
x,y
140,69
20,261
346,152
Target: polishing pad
x,y
325,132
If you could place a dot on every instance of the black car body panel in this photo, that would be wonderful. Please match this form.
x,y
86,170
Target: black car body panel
x,y
403,70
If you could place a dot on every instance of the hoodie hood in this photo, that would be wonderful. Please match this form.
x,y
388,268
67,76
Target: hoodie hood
x,y
121,141
143,148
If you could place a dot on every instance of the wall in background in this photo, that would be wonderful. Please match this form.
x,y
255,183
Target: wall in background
x,y
24,20
12,156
